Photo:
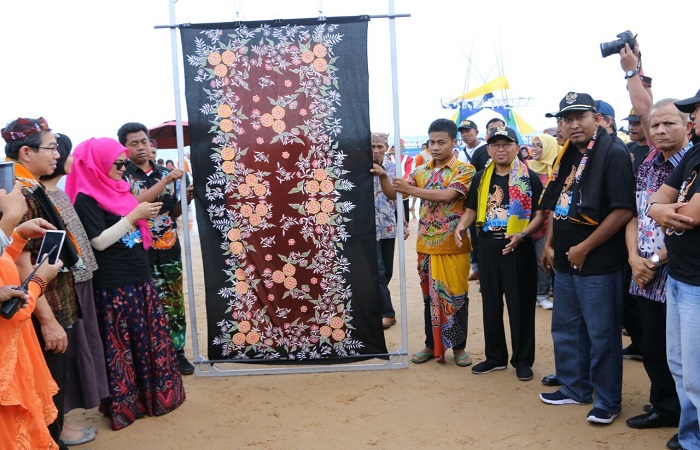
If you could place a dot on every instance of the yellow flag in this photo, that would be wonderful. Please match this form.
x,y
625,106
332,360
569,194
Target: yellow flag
x,y
523,127
493,85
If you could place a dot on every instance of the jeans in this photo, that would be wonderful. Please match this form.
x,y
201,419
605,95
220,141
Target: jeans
x,y
544,279
683,354
587,334
385,255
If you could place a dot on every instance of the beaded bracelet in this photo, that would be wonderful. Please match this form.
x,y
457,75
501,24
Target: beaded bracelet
x,y
41,281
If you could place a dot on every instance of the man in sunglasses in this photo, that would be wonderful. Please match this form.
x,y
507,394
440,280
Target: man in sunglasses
x,y
150,183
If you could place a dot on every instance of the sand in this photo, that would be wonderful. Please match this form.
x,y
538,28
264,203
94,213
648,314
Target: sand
x,y
423,406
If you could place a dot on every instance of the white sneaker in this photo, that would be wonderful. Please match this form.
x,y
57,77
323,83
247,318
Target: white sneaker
x,y
544,302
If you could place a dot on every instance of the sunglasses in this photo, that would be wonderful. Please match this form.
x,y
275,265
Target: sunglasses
x,y
120,164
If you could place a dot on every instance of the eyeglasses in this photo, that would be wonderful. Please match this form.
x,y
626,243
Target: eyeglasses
x,y
501,146
53,148
120,164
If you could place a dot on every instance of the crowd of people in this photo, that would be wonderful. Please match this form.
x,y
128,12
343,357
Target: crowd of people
x,y
105,325
610,227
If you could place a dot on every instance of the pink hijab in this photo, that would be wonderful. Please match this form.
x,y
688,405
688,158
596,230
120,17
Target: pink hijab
x,y
92,161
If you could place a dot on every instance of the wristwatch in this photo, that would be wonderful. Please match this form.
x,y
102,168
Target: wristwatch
x,y
631,73
656,260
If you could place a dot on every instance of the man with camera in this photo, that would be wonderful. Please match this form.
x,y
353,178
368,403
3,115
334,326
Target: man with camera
x,y
591,198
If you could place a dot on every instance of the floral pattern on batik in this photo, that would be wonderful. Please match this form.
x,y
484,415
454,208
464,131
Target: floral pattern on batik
x,y
274,196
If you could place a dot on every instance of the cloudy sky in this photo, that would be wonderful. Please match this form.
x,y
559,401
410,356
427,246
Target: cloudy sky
x,y
89,66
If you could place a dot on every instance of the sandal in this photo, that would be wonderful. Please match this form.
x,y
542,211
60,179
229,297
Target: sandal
x,y
422,357
463,360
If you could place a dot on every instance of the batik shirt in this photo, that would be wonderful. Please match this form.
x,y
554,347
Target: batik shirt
x,y
650,237
384,209
438,221
165,246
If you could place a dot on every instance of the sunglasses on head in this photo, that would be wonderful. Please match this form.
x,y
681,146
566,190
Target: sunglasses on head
x,y
120,164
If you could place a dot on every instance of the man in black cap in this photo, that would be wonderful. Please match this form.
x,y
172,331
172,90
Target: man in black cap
x,y
676,208
503,200
591,196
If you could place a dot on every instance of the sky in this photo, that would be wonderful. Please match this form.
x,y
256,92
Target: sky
x,y
89,66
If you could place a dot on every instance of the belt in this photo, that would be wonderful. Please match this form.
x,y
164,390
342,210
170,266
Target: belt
x,y
496,234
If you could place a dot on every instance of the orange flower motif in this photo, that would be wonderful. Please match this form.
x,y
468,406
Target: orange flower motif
x,y
240,274
322,218
224,111
226,125
234,234
214,58
336,322
307,56
261,209
238,339
278,126
313,207
221,70
166,241
312,186
320,50
278,112
327,206
251,179
241,287
320,174
246,210
227,153
320,65
278,276
327,186
244,190
253,337
228,167
290,283
236,247
267,120
338,335
289,270
255,220
228,57
244,326
260,190
326,331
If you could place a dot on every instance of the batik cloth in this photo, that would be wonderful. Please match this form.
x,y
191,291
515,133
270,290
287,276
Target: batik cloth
x,y
443,279
168,280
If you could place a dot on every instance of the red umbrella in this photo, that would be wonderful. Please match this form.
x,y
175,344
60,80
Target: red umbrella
x,y
166,136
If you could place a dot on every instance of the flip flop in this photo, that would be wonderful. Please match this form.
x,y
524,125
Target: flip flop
x,y
463,360
422,357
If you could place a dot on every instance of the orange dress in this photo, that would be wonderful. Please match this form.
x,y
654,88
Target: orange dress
x,y
26,385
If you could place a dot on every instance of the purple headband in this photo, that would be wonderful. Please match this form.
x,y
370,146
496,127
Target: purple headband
x,y
23,128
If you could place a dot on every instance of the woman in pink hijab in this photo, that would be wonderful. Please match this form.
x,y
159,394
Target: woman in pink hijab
x,y
142,368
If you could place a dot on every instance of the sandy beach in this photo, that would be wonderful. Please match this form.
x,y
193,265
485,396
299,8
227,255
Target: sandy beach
x,y
423,406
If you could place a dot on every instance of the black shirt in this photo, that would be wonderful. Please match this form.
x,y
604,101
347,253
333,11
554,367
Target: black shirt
x,y
638,153
497,216
166,245
617,193
122,263
479,158
684,247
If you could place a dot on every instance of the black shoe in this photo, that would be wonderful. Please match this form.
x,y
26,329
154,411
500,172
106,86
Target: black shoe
x,y
652,420
647,408
630,352
186,368
551,380
524,373
673,443
486,367
601,416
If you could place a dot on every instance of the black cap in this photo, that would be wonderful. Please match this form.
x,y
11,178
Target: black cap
x,y
505,132
574,101
467,124
633,116
688,105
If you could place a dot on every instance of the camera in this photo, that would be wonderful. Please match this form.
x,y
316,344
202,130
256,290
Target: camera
x,y
614,47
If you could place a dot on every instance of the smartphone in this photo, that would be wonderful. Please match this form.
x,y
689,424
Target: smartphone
x,y
7,175
52,244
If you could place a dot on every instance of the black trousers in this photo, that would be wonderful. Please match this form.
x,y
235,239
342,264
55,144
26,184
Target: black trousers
x,y
56,362
662,396
515,276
